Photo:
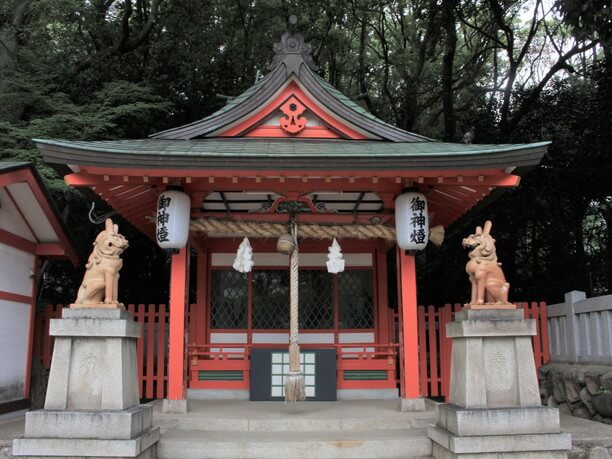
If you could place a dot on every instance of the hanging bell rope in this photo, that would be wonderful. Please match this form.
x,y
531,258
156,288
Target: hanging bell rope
x,y
294,380
239,228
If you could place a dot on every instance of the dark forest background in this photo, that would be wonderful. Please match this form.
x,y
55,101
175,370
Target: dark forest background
x,y
516,70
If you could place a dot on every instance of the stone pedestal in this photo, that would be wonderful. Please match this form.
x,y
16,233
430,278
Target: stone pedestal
x,y
495,408
92,407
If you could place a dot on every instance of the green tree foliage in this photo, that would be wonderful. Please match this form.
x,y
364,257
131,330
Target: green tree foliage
x,y
107,69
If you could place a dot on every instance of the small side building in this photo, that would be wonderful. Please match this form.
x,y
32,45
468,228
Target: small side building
x,y
31,229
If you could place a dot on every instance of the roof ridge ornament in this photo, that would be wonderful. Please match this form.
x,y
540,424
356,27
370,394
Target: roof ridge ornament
x,y
292,50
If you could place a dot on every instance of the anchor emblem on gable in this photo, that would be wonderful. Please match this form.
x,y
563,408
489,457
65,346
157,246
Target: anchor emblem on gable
x,y
293,122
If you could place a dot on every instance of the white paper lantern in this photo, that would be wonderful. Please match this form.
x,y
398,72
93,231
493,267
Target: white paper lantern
x,y
411,221
172,220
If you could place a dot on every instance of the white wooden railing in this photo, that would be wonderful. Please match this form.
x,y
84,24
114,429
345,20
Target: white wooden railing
x,y
580,329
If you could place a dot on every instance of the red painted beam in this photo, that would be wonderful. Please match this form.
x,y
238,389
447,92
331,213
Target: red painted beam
x,y
17,242
17,176
53,220
413,174
50,250
306,246
8,296
476,180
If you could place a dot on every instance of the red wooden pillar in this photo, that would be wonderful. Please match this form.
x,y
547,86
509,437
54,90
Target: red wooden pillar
x,y
382,323
179,291
201,297
409,347
28,363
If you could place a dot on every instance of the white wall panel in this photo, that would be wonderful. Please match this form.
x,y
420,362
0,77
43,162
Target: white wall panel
x,y
32,211
283,338
15,268
238,338
11,220
14,328
356,338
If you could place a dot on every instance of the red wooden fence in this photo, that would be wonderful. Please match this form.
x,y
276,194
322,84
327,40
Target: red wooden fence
x,y
152,346
435,348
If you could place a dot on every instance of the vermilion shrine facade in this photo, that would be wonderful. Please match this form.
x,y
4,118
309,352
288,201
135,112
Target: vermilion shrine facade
x,y
292,145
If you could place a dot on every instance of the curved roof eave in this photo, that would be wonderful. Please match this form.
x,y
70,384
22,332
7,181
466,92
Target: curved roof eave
x,y
304,154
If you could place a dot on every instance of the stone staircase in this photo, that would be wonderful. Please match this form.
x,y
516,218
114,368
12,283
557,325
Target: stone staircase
x,y
345,429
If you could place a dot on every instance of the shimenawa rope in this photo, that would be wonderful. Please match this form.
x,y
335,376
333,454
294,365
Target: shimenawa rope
x,y
294,381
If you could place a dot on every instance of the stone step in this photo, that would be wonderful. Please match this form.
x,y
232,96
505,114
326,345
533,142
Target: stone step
x,y
243,416
194,423
396,443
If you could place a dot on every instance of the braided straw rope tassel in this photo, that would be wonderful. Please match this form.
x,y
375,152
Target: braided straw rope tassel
x,y
294,381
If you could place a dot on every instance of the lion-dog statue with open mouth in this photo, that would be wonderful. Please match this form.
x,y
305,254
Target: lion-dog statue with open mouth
x,y
489,286
100,283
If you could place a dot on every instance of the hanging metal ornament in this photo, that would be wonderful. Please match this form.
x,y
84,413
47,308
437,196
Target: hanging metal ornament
x,y
286,244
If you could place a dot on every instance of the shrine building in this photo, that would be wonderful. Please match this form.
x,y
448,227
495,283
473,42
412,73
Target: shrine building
x,y
292,148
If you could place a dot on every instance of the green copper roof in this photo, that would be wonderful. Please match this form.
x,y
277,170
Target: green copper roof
x,y
302,153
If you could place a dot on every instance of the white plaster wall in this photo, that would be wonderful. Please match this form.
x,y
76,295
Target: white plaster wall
x,y
14,327
15,268
359,337
10,219
32,210
283,338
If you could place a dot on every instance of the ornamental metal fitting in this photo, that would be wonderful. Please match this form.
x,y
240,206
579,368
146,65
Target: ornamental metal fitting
x,y
292,45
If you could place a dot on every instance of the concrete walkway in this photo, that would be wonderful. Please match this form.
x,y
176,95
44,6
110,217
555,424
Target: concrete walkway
x,y
11,426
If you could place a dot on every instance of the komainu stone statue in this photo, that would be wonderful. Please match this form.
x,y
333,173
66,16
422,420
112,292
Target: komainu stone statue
x,y
100,283
489,286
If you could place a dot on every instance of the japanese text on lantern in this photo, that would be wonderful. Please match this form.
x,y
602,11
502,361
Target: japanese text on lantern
x,y
162,218
418,221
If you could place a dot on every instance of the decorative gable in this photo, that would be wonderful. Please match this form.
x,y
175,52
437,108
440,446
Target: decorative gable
x,y
292,113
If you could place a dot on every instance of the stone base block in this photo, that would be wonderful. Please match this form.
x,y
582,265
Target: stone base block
x,y
499,446
94,361
175,406
499,421
104,425
441,453
142,446
411,404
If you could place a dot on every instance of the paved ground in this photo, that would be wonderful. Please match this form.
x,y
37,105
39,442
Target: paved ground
x,y
586,434
9,429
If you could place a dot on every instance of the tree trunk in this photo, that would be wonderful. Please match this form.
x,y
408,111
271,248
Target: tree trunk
x,y
448,60
606,141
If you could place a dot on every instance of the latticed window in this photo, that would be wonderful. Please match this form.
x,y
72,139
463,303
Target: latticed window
x,y
356,299
271,299
315,300
228,299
